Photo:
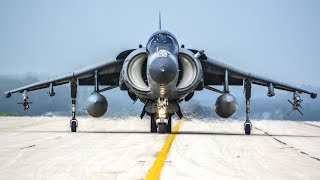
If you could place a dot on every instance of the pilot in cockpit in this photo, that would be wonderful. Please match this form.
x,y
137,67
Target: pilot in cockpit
x,y
162,41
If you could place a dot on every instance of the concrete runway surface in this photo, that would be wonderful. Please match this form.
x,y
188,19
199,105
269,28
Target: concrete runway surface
x,y
111,148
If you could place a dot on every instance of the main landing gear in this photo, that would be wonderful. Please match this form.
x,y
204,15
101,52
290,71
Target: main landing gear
x,y
153,128
247,124
169,126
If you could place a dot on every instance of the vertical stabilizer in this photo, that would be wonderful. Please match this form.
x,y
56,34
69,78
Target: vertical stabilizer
x,y
159,20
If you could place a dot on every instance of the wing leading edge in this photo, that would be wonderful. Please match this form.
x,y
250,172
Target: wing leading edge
x,y
111,67
213,67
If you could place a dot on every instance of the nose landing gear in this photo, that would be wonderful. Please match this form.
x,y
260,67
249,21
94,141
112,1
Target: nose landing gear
x,y
160,126
164,125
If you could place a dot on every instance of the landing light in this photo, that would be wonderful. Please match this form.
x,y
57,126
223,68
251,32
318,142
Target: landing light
x,y
162,113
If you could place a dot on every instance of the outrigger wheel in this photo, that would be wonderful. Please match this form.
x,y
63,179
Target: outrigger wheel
x,y
73,126
247,128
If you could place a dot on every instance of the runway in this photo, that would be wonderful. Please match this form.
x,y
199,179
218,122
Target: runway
x,y
111,148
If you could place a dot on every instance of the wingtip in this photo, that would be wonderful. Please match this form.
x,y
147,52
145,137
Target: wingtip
x,y
313,95
7,94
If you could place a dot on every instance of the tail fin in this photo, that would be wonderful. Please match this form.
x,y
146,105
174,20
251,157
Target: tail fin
x,y
159,20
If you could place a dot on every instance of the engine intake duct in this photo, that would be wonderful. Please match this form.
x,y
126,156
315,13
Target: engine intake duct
x,y
188,71
137,71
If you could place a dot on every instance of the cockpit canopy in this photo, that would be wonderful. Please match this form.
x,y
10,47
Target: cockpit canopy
x,y
162,40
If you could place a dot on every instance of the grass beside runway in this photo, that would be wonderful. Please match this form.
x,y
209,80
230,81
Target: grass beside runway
x,y
155,170
8,114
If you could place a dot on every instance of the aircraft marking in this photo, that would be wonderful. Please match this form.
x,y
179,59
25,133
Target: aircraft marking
x,y
155,170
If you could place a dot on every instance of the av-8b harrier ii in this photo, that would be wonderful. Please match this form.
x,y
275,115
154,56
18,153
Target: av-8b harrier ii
x,y
161,75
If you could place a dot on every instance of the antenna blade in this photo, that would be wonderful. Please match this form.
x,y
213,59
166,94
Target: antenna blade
x,y
159,20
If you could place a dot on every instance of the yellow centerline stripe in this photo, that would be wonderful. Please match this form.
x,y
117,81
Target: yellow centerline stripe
x,y
155,170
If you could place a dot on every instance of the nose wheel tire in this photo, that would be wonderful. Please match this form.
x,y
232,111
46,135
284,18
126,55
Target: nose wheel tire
x,y
162,128
73,126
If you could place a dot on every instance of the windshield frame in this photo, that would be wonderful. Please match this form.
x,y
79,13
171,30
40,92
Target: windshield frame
x,y
153,45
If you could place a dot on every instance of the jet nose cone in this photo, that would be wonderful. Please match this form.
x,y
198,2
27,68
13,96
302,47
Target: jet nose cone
x,y
163,70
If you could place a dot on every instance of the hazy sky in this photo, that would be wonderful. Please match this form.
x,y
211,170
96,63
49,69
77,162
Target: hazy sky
x,y
275,38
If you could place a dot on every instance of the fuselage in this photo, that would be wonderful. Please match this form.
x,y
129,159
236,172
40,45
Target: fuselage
x,y
162,69
162,63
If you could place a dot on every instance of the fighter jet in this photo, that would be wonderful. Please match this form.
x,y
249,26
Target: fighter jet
x,y
161,75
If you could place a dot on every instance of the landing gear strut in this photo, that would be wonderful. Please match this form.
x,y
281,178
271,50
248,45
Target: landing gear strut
x,y
161,118
73,122
247,124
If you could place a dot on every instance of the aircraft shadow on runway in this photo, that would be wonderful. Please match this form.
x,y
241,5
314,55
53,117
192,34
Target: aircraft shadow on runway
x,y
206,133
238,134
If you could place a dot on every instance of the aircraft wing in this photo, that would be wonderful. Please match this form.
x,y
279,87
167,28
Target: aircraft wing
x,y
214,69
109,72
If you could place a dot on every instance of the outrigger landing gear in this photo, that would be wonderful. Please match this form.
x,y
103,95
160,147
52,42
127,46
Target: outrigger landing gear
x,y
73,125
247,124
73,122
